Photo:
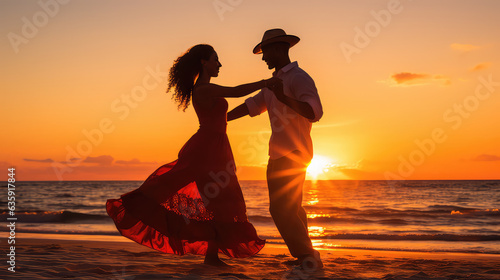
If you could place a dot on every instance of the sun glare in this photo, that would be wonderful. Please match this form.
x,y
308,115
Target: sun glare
x,y
319,165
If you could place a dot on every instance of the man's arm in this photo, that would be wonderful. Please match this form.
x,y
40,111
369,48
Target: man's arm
x,y
253,106
238,112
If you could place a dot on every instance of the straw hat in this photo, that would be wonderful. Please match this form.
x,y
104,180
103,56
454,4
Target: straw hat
x,y
273,36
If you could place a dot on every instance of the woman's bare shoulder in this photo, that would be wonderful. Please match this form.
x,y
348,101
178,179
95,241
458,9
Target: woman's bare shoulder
x,y
201,94
207,90
205,87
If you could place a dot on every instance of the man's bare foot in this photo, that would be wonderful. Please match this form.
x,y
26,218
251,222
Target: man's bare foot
x,y
312,262
215,262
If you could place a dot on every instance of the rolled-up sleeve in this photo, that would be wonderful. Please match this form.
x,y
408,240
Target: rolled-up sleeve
x,y
304,89
256,104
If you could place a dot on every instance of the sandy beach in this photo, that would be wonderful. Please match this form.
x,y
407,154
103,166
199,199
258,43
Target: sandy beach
x,y
123,259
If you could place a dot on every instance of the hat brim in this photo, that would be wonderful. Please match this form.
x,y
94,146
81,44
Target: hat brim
x,y
291,39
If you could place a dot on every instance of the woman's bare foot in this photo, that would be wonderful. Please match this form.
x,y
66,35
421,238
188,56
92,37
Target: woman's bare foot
x,y
215,261
212,255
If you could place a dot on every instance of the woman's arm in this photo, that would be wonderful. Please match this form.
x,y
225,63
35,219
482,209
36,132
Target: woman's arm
x,y
213,90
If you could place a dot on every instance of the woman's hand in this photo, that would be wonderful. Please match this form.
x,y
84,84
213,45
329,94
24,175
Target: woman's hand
x,y
272,82
276,86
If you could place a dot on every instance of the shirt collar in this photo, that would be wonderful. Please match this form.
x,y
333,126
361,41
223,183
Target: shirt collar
x,y
286,68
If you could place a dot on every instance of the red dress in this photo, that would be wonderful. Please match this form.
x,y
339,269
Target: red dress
x,y
193,199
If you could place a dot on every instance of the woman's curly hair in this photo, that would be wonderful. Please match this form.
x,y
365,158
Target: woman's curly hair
x,y
184,72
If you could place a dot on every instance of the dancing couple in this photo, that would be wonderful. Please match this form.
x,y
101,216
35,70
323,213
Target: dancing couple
x,y
194,204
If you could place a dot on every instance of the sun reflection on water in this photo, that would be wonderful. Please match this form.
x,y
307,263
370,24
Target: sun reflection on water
x,y
314,215
315,231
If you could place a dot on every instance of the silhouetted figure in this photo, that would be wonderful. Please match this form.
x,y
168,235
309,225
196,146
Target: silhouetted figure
x,y
194,204
292,107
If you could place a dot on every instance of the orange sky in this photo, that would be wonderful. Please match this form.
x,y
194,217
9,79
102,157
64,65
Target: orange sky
x,y
410,89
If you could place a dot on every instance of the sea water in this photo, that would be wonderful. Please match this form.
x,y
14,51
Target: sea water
x,y
428,216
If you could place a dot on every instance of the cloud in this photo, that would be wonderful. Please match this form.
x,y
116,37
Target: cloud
x,y
413,79
481,66
85,172
39,160
134,161
464,47
485,157
357,174
102,160
405,77
360,170
71,161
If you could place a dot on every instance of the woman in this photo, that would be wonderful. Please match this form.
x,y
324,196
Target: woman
x,y
194,204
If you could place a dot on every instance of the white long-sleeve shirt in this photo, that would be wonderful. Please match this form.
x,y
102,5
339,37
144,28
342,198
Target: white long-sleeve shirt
x,y
290,130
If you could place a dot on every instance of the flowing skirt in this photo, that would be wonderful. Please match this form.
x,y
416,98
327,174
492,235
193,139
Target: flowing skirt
x,y
188,202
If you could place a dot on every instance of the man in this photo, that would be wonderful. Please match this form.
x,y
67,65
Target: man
x,y
292,107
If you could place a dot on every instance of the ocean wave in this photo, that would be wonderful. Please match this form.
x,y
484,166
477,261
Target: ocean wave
x,y
415,237
54,217
433,211
381,217
321,219
64,195
476,250
65,231
481,247
322,237
404,237
445,207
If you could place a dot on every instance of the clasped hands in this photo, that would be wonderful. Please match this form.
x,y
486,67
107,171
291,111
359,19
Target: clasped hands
x,y
275,85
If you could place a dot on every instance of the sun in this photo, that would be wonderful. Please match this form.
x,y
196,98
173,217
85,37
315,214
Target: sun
x,y
319,165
